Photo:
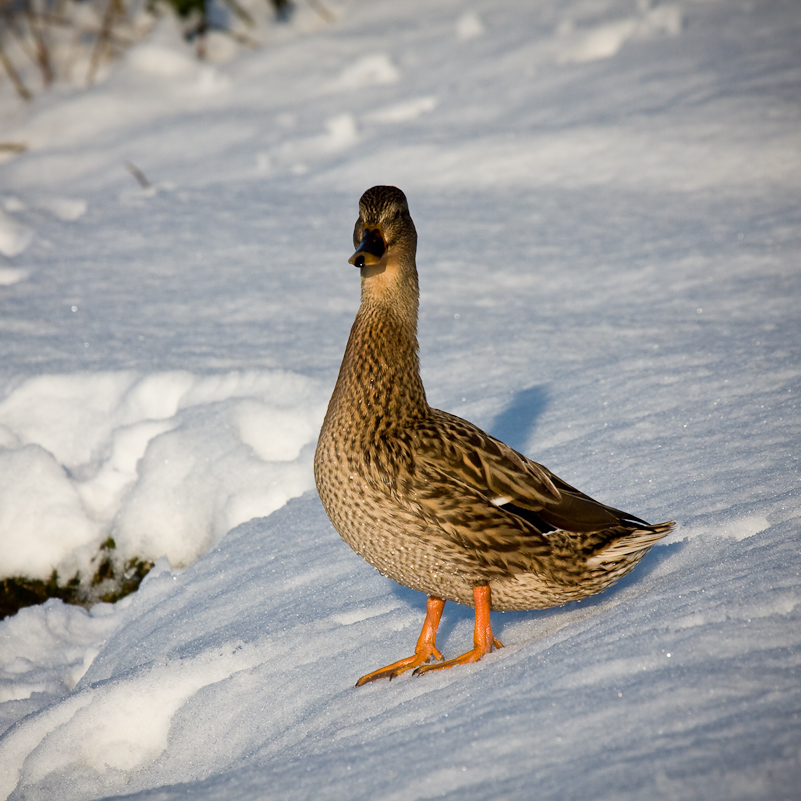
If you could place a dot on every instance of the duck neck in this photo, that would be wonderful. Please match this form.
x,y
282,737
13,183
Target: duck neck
x,y
380,374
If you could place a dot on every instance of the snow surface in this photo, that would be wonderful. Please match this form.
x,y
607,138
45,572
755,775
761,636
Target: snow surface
x,y
606,195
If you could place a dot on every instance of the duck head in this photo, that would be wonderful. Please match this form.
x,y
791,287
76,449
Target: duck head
x,y
384,232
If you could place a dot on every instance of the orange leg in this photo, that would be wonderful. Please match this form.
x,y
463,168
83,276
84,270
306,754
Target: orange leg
x,y
483,641
426,646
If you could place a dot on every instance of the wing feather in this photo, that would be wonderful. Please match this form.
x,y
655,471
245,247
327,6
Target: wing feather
x,y
502,507
462,452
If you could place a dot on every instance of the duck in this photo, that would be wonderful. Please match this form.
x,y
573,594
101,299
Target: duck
x,y
431,500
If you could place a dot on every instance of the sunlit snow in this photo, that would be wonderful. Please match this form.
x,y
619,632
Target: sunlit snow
x,y
606,196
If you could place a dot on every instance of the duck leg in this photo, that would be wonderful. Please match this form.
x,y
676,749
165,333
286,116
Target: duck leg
x,y
483,641
426,646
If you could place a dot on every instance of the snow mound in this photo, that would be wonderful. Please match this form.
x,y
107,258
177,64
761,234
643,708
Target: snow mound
x,y
164,463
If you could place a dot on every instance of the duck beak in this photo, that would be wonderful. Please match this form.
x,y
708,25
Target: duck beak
x,y
370,250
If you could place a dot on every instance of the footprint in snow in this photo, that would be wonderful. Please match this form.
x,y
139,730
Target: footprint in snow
x,y
374,70
14,236
469,26
604,41
65,209
12,275
405,111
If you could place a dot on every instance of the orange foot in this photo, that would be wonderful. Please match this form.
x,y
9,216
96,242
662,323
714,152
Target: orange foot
x,y
425,649
483,641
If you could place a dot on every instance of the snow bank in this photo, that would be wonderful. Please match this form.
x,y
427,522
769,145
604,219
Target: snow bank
x,y
47,649
165,463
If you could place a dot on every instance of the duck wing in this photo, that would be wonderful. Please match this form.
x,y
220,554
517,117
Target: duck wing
x,y
498,504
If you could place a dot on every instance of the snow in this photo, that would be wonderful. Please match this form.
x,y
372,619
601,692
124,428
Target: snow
x,y
606,198
165,463
14,236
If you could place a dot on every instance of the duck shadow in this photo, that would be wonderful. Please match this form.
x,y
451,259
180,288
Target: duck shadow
x,y
515,424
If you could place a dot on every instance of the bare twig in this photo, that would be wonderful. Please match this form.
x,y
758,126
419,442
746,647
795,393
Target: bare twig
x,y
240,12
13,26
42,58
138,174
12,73
103,38
324,12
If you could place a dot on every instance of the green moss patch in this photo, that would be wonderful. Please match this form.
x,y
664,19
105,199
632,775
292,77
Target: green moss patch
x,y
112,579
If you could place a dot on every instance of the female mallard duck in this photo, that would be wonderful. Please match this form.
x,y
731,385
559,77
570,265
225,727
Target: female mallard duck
x,y
431,500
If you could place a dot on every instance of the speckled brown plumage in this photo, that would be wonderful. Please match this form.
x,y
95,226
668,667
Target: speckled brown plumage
x,y
428,498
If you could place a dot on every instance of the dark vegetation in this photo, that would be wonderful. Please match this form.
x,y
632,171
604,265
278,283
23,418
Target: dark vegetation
x,y
113,578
